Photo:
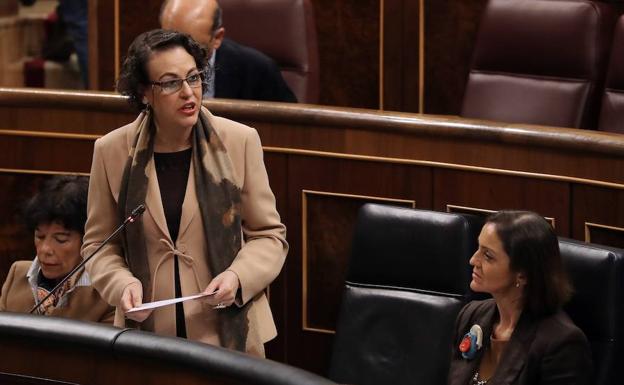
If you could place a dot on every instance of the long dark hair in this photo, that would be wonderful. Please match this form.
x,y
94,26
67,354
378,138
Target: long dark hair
x,y
533,249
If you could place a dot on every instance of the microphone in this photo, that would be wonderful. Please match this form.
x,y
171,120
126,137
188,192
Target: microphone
x,y
140,209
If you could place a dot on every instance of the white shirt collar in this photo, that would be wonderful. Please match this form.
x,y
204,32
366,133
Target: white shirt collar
x,y
33,274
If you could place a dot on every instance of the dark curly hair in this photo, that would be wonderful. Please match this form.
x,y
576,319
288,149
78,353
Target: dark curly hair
x,y
533,248
133,79
63,200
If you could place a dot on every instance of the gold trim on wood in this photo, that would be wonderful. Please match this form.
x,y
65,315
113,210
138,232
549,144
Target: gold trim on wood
x,y
467,210
40,172
478,211
53,100
48,134
324,154
356,196
371,122
450,166
304,246
598,225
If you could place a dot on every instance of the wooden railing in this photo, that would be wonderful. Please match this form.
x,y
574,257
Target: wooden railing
x,y
323,164
39,350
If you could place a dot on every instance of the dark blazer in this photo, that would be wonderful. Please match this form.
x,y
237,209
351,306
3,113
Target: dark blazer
x,y
550,350
244,73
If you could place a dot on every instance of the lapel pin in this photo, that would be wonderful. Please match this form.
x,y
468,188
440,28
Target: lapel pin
x,y
471,343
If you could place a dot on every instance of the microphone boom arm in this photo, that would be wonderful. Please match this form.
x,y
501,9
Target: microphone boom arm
x,y
133,216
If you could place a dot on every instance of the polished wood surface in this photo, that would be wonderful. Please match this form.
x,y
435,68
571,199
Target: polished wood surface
x,y
401,42
323,163
348,41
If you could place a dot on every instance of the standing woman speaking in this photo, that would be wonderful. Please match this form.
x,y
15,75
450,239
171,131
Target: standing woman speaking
x,y
210,223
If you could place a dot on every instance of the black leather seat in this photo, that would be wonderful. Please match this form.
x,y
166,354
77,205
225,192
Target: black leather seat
x,y
407,274
597,306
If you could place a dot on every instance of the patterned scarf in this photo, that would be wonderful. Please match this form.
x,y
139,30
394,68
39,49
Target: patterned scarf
x,y
219,203
53,301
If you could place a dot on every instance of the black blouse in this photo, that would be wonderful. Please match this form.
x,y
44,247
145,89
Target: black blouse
x,y
172,169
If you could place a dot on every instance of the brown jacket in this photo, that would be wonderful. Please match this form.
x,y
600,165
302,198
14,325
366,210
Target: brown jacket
x,y
257,264
550,350
84,301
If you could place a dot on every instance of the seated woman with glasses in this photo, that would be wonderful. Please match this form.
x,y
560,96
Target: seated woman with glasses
x,y
521,335
56,216
210,223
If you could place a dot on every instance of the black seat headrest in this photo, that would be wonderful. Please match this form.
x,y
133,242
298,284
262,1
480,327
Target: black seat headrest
x,y
412,248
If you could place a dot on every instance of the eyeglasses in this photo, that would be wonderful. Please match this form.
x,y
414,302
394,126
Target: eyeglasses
x,y
174,85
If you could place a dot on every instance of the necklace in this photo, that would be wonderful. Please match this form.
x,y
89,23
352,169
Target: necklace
x,y
475,380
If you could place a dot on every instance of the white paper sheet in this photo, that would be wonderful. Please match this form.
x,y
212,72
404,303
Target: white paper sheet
x,y
165,302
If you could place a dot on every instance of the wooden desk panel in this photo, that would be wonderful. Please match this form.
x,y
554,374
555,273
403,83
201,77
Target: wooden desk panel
x,y
482,191
323,163
80,366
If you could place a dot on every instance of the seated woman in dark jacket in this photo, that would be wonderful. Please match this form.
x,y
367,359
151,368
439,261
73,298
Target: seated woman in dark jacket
x,y
56,216
520,336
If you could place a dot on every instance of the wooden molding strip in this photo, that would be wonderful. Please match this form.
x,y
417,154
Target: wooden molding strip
x,y
46,98
589,225
451,166
480,211
425,163
40,172
303,115
50,135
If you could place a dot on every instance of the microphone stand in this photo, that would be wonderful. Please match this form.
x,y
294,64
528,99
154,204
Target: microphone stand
x,y
133,216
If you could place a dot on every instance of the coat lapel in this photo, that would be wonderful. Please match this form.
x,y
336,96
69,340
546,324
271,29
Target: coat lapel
x,y
190,206
153,201
515,355
463,370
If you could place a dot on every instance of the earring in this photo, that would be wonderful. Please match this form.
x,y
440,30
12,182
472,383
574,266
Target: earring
x,y
517,284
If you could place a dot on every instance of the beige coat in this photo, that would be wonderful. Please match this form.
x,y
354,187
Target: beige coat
x,y
84,302
257,264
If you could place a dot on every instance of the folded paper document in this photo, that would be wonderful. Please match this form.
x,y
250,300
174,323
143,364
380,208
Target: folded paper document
x,y
154,305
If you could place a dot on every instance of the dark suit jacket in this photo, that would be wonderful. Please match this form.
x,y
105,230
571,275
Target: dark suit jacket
x,y
245,73
550,350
